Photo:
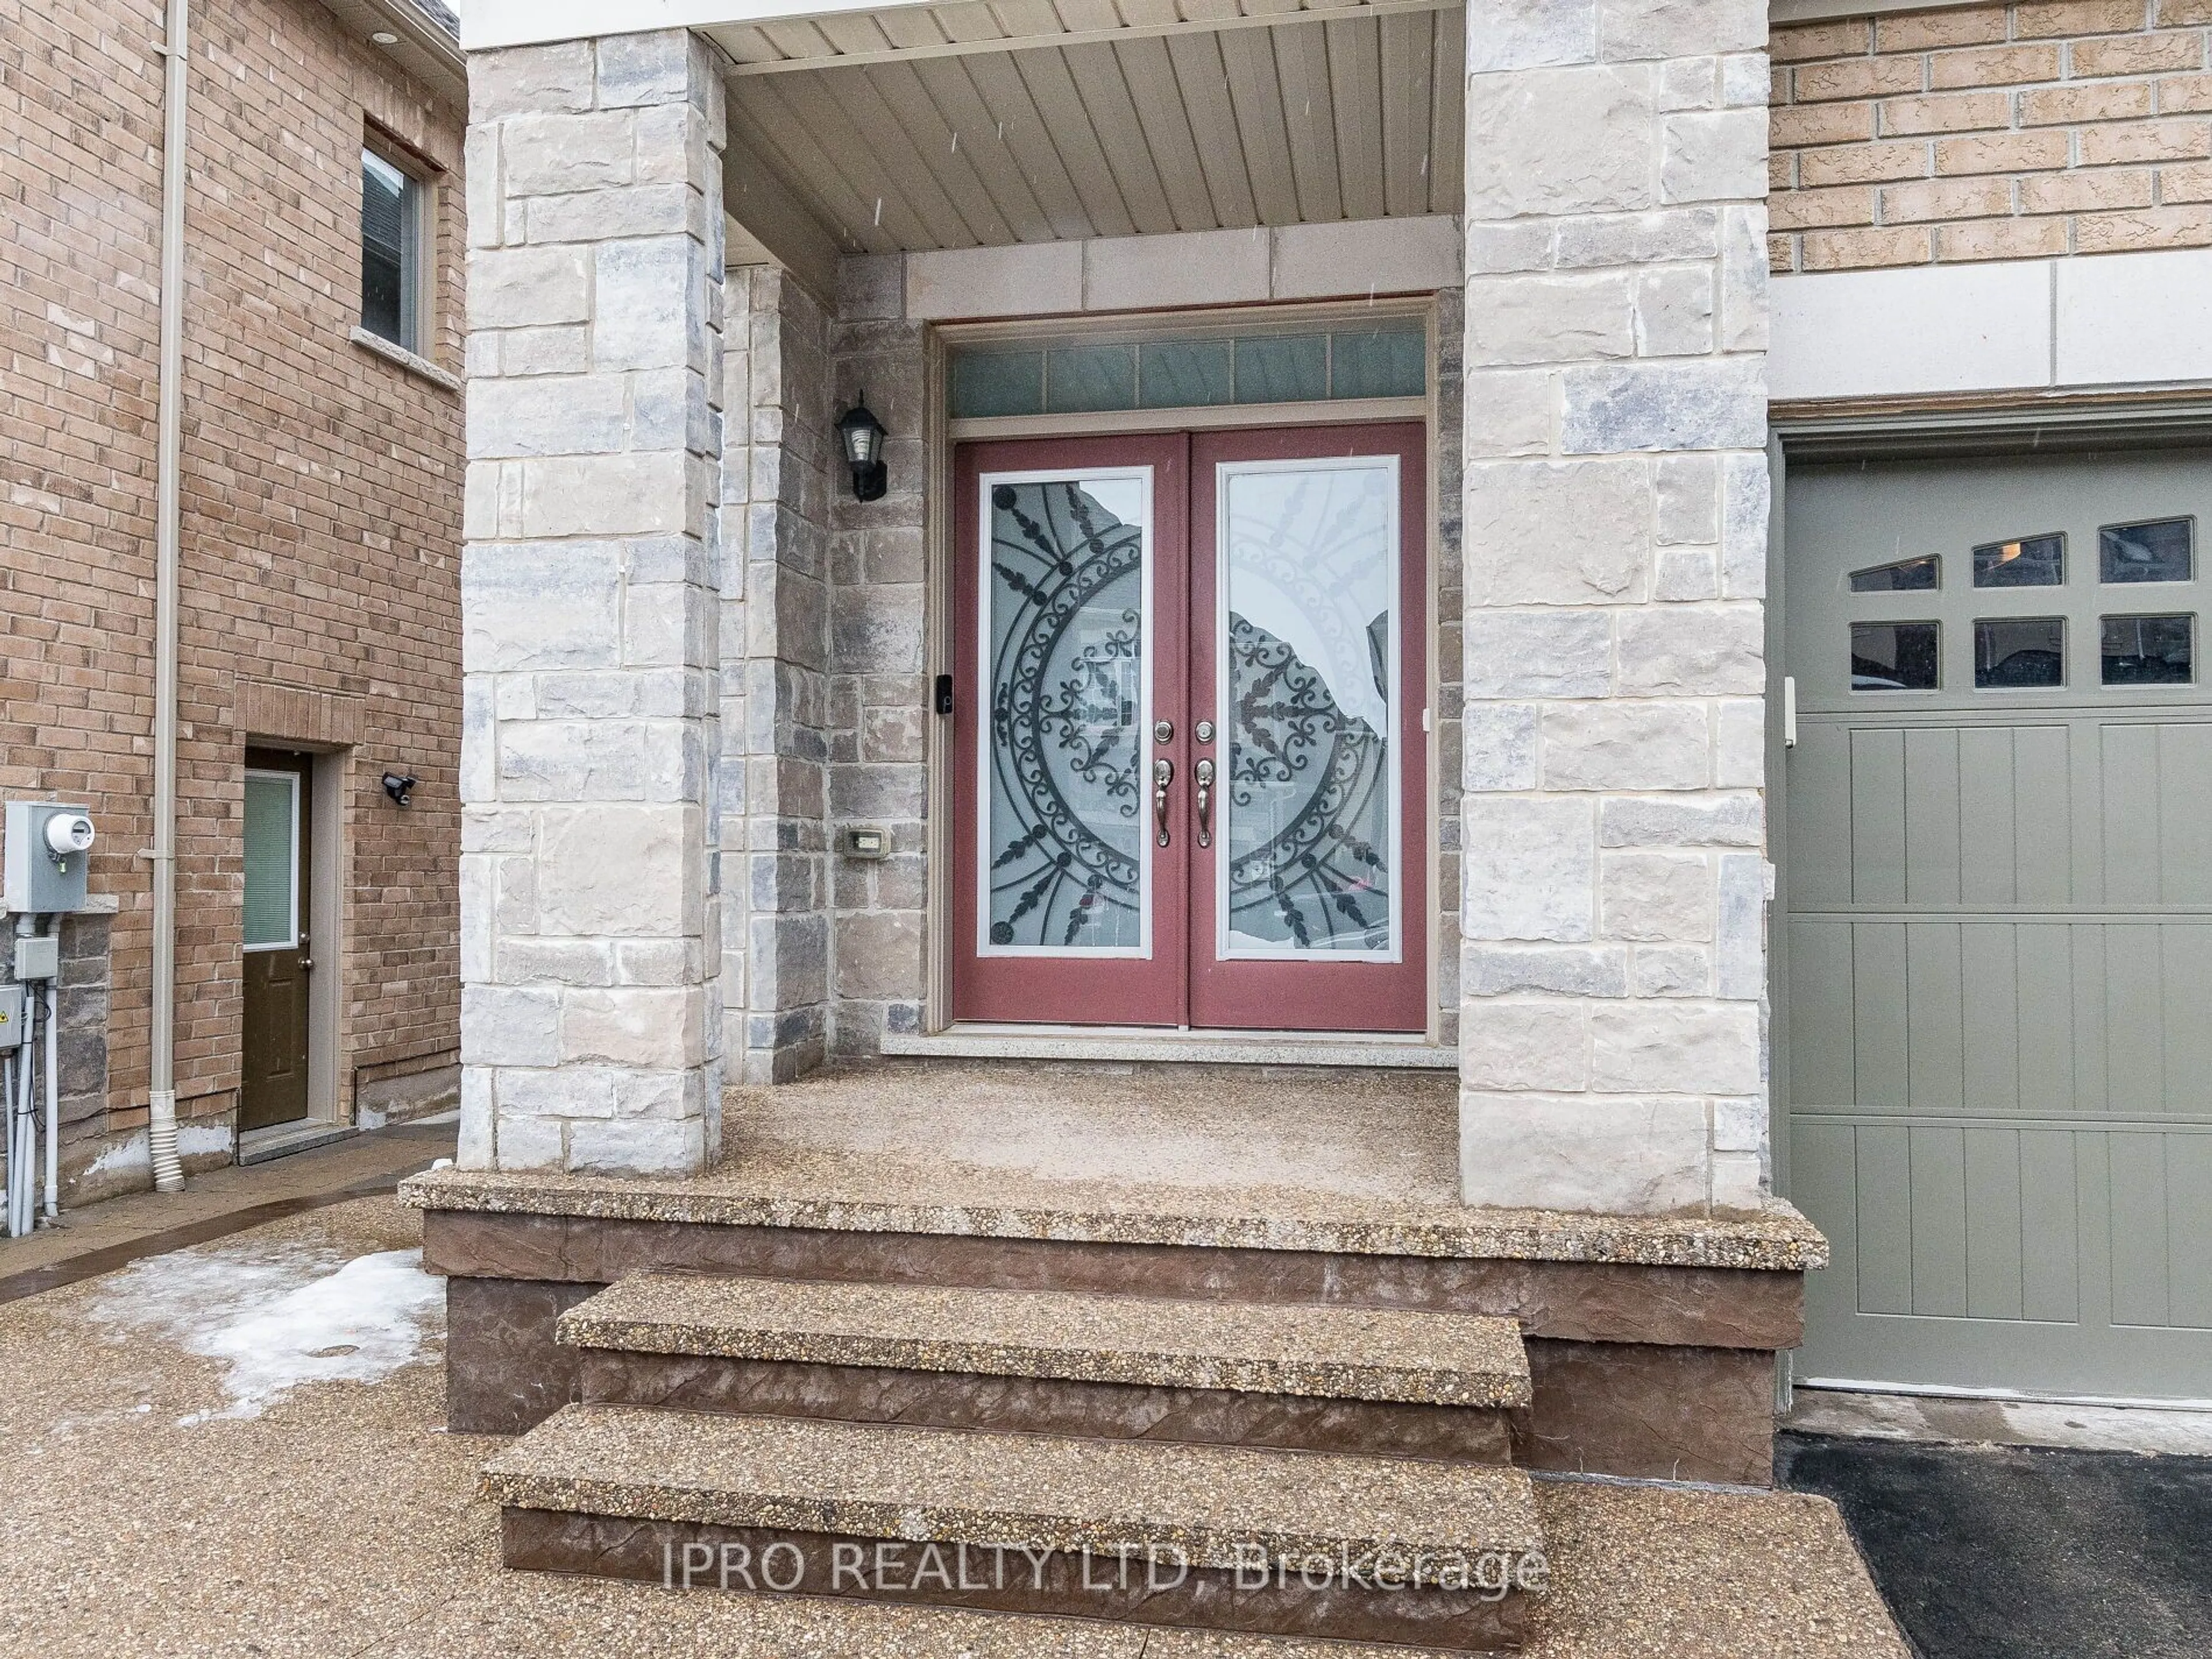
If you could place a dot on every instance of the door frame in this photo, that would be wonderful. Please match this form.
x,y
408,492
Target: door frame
x,y
941,434
1911,429
328,783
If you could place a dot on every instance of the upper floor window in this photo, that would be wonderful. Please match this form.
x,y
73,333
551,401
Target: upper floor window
x,y
391,263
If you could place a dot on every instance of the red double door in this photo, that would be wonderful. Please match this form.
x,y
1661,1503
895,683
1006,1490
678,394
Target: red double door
x,y
1189,777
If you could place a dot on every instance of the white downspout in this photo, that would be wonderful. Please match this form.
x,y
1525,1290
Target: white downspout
x,y
54,1089
161,1099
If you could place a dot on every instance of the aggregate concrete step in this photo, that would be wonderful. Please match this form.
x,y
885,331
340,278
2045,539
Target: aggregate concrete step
x,y
1435,1555
1120,1367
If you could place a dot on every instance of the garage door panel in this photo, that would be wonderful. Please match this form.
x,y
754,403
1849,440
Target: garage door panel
x,y
2185,818
2043,784
1988,1001
1823,1067
1939,1221
1935,1051
1877,817
1931,816
2050,1252
1880,1039
2000,909
1996,1245
1882,1201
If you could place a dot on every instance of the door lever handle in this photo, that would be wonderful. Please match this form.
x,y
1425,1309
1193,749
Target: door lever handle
x,y
1203,772
1163,775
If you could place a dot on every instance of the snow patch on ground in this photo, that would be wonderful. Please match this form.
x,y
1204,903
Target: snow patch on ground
x,y
277,1315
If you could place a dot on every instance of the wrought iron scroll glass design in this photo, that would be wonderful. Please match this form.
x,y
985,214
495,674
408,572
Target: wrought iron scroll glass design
x,y
1308,648
1066,606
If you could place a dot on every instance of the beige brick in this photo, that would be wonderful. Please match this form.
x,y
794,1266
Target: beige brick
x,y
1863,164
1992,66
2152,141
2136,54
2185,93
1921,31
1803,210
1800,124
2054,20
2093,100
1781,253
2149,228
2191,183
1807,41
1957,112
1946,199
2010,152
1781,169
1856,77
2173,12
1863,250
2086,192
2002,239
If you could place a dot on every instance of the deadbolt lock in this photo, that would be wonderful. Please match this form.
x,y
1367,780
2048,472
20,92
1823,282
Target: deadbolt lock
x,y
1203,731
1163,731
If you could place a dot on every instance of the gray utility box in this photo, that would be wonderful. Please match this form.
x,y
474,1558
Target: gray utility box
x,y
48,848
11,1017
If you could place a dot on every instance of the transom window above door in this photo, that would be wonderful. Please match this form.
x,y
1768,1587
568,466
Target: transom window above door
x,y
2015,646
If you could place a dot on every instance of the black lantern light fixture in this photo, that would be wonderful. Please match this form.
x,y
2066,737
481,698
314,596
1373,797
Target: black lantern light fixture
x,y
863,435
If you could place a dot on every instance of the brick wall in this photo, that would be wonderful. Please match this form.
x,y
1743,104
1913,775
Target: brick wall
x,y
321,503
1997,132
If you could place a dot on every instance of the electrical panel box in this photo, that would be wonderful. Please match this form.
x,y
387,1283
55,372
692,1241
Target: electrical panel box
x,y
48,848
38,956
11,1017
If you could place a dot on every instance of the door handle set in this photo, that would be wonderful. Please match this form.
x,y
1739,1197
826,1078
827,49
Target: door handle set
x,y
1204,773
1163,775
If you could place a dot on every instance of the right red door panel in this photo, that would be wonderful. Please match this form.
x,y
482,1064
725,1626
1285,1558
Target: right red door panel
x,y
1308,663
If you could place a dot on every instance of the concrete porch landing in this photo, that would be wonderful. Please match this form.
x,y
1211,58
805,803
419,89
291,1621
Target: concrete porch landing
x,y
1361,1163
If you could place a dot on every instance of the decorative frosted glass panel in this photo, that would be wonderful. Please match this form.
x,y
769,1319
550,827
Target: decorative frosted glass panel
x,y
1284,368
1083,379
2159,552
1379,364
1920,576
2019,653
1067,600
2149,650
272,823
1895,656
2031,561
1184,374
1308,641
986,383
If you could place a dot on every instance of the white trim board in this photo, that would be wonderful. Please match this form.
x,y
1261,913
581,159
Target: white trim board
x,y
1359,259
2106,320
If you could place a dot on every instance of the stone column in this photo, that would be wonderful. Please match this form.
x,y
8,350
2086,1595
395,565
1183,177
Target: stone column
x,y
590,1024
1614,878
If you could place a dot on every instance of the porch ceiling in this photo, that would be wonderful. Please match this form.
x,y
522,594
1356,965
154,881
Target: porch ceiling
x,y
982,125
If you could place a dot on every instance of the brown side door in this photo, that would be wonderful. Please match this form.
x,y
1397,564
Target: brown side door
x,y
273,1062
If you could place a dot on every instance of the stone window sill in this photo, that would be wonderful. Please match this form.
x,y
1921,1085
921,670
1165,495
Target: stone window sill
x,y
963,1041
377,345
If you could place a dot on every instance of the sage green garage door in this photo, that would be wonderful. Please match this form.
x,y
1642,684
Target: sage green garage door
x,y
1998,956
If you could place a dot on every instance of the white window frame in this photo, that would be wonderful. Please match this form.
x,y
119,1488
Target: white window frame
x,y
291,780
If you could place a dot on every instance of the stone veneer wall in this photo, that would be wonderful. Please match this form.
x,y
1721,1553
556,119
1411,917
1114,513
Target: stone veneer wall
x,y
778,479
1993,132
879,691
1613,975
590,938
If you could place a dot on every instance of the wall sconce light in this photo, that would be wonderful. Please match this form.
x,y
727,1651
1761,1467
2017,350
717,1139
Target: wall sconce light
x,y
400,786
863,435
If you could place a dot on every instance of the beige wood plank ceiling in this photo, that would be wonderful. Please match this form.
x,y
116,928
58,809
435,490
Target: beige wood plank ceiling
x,y
981,124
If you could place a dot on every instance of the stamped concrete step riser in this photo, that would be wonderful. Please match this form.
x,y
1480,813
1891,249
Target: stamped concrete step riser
x,y
1047,1405
1131,1590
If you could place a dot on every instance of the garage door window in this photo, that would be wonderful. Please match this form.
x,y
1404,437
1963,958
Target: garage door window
x,y
1895,656
2149,650
2030,562
2020,653
2156,552
1919,575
